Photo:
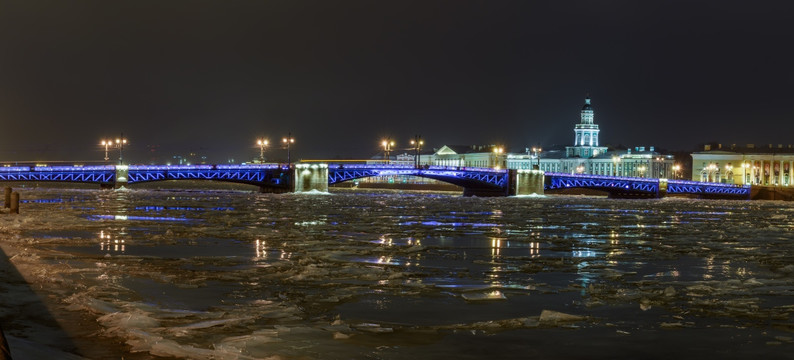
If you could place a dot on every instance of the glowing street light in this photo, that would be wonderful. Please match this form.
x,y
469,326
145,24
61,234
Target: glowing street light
x,y
676,169
537,151
417,143
641,170
745,166
579,169
106,144
387,144
497,151
120,144
289,140
262,143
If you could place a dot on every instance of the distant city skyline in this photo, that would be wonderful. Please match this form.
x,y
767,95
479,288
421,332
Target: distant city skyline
x,y
213,77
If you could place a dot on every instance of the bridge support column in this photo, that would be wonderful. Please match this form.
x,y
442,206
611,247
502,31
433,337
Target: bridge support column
x,y
529,182
122,172
310,177
7,197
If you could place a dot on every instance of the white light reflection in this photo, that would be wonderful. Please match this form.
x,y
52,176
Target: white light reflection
x,y
260,248
107,243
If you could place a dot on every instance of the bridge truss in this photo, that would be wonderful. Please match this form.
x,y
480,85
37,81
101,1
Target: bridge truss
x,y
607,183
247,174
457,176
78,174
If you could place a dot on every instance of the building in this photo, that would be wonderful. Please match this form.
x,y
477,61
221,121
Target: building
x,y
769,165
587,156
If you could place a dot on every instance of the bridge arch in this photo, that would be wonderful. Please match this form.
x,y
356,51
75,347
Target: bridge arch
x,y
474,181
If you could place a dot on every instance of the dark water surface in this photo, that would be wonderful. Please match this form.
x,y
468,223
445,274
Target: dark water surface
x,y
389,275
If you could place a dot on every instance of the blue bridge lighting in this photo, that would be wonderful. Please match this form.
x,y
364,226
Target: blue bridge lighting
x,y
491,181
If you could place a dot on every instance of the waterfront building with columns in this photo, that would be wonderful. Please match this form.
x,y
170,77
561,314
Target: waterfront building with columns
x,y
768,165
587,156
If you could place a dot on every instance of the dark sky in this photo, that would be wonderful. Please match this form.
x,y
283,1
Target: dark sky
x,y
211,76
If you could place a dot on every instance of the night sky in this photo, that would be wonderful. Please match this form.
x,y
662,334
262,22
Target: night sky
x,y
212,76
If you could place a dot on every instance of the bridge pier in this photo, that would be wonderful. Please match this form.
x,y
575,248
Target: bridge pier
x,y
310,177
529,182
122,174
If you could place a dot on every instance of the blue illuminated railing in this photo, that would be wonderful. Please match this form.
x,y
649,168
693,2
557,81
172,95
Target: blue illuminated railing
x,y
696,187
80,174
250,174
600,182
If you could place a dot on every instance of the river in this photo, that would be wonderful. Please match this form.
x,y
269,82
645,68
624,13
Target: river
x,y
354,274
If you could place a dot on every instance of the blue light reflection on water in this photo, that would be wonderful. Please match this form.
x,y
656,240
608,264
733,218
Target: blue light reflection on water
x,y
136,218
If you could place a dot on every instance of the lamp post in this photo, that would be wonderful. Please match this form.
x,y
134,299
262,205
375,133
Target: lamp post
x,y
387,146
289,140
107,144
537,151
615,161
641,169
262,144
676,168
579,169
417,143
497,151
120,143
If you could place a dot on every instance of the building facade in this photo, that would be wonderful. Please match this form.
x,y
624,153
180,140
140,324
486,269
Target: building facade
x,y
587,156
751,165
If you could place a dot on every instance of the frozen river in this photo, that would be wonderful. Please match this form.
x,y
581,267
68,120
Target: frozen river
x,y
386,275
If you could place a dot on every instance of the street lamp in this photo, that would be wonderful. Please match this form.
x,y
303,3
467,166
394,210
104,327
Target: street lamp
x,y
262,144
641,170
289,140
579,169
676,168
417,143
615,161
106,144
388,144
120,144
496,152
537,151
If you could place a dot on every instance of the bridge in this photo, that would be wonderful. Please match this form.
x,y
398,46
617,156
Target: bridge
x,y
305,177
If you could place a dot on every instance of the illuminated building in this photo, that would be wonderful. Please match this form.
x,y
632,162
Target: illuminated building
x,y
770,165
586,156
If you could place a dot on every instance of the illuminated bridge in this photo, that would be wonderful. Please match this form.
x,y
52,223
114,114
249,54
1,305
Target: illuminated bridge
x,y
628,187
474,181
305,177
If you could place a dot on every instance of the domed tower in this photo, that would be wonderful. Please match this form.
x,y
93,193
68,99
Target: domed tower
x,y
586,142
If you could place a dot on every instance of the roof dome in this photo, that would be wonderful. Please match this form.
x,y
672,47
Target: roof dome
x,y
587,104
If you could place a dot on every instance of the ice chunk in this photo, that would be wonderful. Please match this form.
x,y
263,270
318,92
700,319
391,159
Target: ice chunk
x,y
554,317
493,295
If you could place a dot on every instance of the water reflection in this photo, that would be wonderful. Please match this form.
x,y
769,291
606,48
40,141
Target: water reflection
x,y
108,243
132,217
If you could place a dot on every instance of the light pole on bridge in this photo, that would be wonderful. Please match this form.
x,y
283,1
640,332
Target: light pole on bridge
x,y
120,144
289,140
262,143
107,144
537,151
388,144
417,143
